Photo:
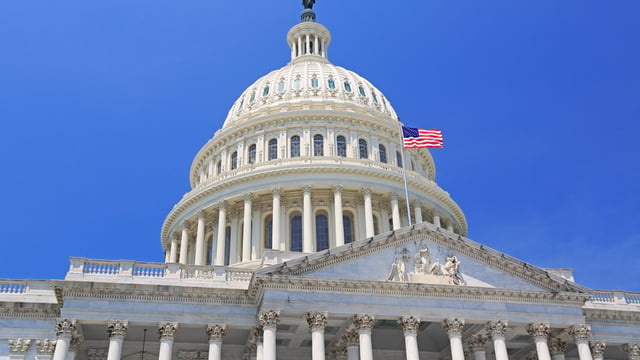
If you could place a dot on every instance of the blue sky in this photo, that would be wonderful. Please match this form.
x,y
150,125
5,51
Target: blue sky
x,y
104,104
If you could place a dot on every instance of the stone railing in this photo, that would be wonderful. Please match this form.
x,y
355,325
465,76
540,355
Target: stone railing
x,y
615,297
12,287
126,271
37,291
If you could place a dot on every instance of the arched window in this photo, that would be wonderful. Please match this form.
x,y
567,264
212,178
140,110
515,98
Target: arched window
x,y
318,145
268,232
252,153
234,160
281,86
347,225
322,231
362,147
210,251
219,167
361,91
253,97
376,226
398,159
265,92
382,151
295,146
297,83
341,144
347,86
331,83
295,228
273,149
227,245
314,83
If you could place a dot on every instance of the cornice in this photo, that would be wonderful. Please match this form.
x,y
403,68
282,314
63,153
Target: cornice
x,y
153,293
417,183
26,310
612,315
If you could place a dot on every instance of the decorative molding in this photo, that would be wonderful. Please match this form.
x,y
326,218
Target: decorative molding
x,y
363,322
497,329
453,326
269,318
117,328
557,346
539,331
19,346
216,331
167,329
45,346
316,320
65,327
409,325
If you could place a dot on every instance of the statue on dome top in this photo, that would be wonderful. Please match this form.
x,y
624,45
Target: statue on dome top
x,y
308,4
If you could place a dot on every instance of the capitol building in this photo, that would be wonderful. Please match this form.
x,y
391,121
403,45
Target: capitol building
x,y
299,240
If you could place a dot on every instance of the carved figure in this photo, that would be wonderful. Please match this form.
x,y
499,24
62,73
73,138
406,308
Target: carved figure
x,y
421,260
398,270
436,269
308,4
452,269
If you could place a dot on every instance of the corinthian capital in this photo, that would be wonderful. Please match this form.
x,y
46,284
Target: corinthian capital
x,y
538,331
363,322
580,333
453,326
557,346
269,318
19,346
478,342
497,329
117,328
167,329
351,337
597,349
632,350
409,324
316,319
216,331
45,346
65,327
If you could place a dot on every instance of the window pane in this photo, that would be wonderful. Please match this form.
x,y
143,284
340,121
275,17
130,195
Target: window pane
x,y
364,152
398,159
253,97
273,149
332,84
268,233
383,153
314,83
296,84
341,144
295,146
348,228
281,86
322,232
318,145
252,154
265,92
361,90
234,160
296,233
347,86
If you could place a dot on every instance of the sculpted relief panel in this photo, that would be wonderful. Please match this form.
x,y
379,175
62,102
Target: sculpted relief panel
x,y
425,270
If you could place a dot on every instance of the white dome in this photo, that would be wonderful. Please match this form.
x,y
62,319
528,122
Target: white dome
x,y
308,80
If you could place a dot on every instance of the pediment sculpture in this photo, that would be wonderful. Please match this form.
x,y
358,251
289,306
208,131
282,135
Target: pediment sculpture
x,y
424,270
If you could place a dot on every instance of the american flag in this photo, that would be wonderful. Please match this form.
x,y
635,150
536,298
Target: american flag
x,y
421,138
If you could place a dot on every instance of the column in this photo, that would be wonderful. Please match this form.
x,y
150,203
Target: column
x,y
478,345
184,242
368,212
395,212
436,218
18,348
539,331
364,325
580,334
222,227
307,42
337,210
557,347
417,212
200,250
317,322
597,349
300,46
269,320
453,327
307,217
246,229
315,46
65,329
632,350
117,330
410,325
173,252
234,236
216,333
351,339
258,334
497,330
275,220
166,330
74,347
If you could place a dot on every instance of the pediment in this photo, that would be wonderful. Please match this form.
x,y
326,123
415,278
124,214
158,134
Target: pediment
x,y
423,254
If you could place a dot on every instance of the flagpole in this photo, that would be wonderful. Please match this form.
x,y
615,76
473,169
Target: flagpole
x,y
404,172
